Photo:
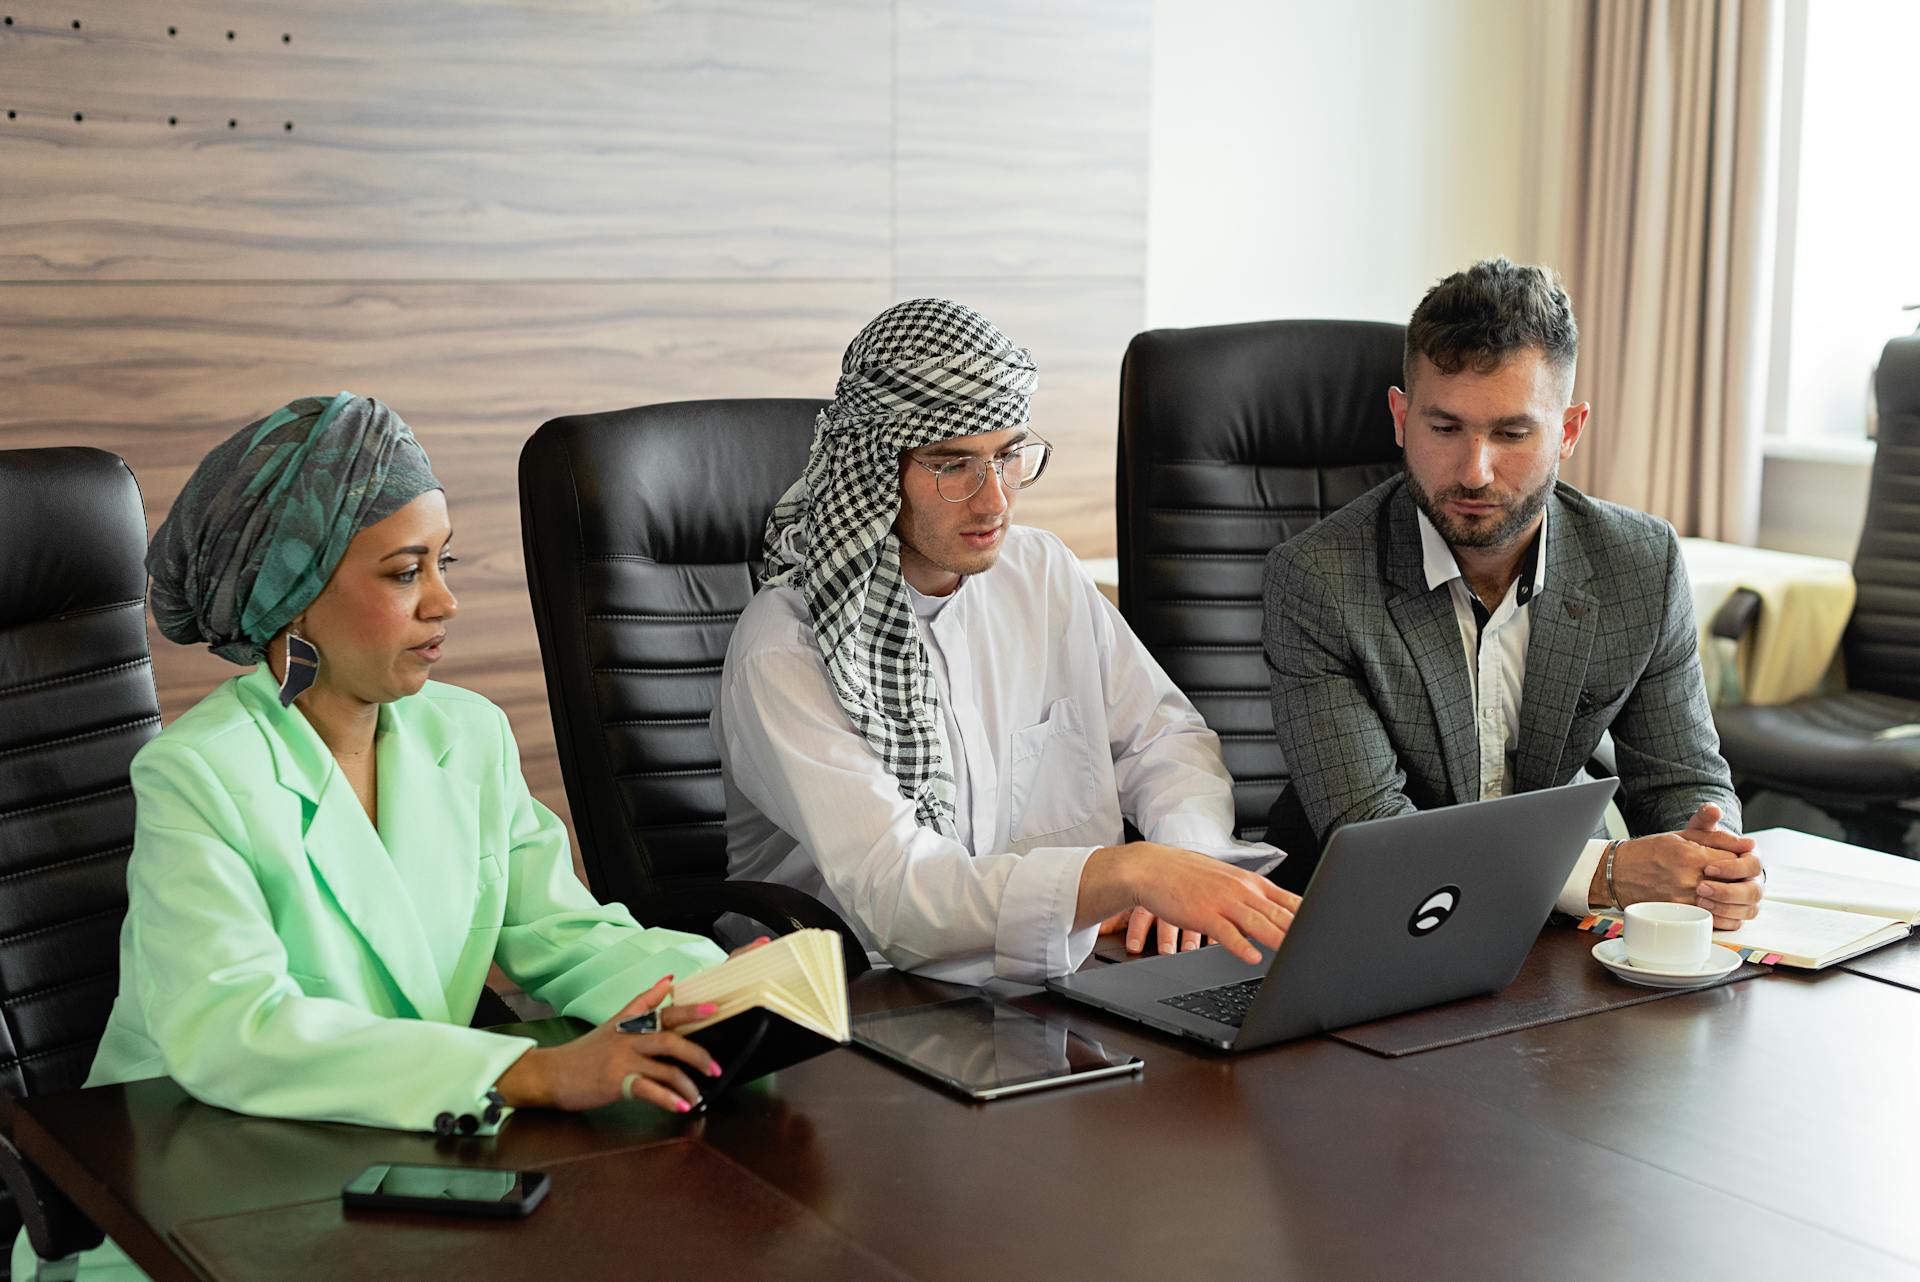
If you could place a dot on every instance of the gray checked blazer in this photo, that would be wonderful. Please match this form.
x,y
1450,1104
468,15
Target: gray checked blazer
x,y
1373,700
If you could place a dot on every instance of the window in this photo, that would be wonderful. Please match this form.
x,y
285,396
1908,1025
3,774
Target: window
x,y
1849,220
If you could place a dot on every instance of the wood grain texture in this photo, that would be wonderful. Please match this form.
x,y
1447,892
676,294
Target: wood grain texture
x,y
1077,330
480,139
161,373
1022,139
492,212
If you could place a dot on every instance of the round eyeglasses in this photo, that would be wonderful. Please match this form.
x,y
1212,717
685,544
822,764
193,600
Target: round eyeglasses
x,y
960,479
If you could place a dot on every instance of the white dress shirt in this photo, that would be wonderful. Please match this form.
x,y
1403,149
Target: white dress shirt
x,y
1497,661
1057,724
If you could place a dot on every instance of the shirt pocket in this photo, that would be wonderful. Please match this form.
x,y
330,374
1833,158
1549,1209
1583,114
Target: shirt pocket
x,y
1050,776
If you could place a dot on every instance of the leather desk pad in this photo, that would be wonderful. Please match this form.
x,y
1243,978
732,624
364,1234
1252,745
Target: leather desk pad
x,y
646,1212
1560,980
1897,964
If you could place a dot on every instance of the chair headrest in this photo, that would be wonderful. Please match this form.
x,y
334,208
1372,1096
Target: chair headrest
x,y
1896,385
670,482
1264,391
73,530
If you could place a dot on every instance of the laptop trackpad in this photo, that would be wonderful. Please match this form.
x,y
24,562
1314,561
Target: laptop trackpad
x,y
1176,973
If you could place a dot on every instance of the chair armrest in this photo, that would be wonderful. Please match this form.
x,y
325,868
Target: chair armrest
x,y
782,908
1736,614
55,1227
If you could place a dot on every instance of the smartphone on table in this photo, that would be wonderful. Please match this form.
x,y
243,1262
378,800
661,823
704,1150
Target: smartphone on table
x,y
445,1190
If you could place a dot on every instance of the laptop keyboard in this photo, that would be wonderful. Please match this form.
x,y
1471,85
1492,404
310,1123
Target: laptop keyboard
x,y
1227,1004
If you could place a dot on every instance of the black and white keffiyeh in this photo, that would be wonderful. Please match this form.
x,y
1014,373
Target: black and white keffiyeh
x,y
922,371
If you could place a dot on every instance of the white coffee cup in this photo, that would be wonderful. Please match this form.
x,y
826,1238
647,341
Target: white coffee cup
x,y
1668,936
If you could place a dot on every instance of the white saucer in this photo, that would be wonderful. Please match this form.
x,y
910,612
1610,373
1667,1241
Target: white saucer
x,y
1612,953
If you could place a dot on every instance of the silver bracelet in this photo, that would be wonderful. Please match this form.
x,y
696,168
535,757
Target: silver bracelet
x,y
1613,896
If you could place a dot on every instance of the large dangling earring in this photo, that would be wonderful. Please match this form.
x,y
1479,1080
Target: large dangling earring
x,y
303,665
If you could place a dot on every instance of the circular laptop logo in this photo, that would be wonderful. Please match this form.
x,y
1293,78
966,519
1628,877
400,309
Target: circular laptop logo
x,y
1433,911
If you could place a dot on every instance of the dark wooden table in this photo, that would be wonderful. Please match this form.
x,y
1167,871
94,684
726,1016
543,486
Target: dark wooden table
x,y
1761,1130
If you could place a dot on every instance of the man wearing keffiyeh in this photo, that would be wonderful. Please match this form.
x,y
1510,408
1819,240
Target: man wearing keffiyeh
x,y
931,718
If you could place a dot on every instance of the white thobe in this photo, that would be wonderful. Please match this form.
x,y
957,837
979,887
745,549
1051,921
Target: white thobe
x,y
1057,724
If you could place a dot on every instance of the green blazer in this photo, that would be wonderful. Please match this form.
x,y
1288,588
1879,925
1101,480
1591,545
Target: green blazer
x,y
283,957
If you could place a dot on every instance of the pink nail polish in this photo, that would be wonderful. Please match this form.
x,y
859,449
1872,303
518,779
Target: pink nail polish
x,y
705,1009
682,1106
713,1070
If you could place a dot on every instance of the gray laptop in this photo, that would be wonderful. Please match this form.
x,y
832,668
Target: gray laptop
x,y
1401,913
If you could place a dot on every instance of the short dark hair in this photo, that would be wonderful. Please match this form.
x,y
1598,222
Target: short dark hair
x,y
1483,315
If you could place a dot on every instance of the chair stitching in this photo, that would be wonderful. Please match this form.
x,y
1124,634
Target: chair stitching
x,y
80,738
54,988
101,609
42,1054
7,815
1250,647
77,676
1203,600
116,910
64,863
689,616
1288,509
672,565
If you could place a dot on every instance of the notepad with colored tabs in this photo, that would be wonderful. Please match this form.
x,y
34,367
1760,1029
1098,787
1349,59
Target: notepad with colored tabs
x,y
1825,901
801,977
1790,934
1785,934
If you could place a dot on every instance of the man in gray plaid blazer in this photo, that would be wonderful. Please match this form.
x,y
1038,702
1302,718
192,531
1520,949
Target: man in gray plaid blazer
x,y
1472,627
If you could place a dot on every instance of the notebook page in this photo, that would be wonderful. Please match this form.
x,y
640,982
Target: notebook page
x,y
1800,932
770,963
1818,889
799,976
1782,848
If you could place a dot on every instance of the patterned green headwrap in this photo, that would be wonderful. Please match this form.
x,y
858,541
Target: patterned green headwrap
x,y
266,517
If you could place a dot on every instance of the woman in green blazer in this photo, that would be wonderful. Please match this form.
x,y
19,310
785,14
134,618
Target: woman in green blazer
x,y
325,867
330,852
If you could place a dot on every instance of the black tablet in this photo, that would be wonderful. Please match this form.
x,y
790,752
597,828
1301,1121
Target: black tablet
x,y
985,1050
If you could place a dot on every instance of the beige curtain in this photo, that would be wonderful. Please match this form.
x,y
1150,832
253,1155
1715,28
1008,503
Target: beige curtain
x,y
1665,232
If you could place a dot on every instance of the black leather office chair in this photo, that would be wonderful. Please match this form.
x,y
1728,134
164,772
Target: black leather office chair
x,y
643,531
76,702
1822,748
1234,438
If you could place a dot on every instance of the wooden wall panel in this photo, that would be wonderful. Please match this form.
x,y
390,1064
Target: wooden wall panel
x,y
1022,144
495,211
480,139
474,368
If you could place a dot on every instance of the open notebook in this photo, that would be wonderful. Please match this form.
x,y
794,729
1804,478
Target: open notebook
x,y
781,1003
801,977
1825,902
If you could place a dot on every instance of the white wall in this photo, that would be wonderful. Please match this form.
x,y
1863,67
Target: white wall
x,y
1332,160
1812,505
